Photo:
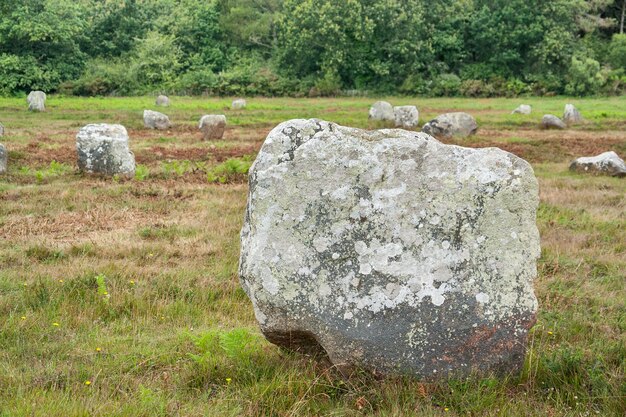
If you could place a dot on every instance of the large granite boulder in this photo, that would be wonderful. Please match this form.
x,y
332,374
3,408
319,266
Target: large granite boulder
x,y
451,125
391,251
523,109
162,101
239,104
4,157
406,117
550,121
571,115
607,163
103,149
36,101
382,111
156,120
212,126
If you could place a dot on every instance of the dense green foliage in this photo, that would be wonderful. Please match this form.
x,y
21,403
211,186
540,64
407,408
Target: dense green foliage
x,y
313,47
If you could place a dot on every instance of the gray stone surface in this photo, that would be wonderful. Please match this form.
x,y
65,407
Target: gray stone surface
x,y
155,120
381,111
607,163
103,149
4,158
1,129
36,101
523,109
162,101
450,125
391,251
239,104
212,126
406,117
571,115
550,121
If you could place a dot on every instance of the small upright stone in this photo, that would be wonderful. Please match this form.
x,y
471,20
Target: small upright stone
x,y
1,130
571,115
382,111
4,157
523,109
550,121
156,120
451,125
212,126
406,117
607,163
239,104
162,101
103,149
36,101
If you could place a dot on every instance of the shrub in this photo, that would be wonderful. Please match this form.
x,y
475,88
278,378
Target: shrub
x,y
476,88
447,85
584,77
617,51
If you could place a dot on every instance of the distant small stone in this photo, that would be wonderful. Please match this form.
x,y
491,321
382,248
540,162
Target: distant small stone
x,y
239,104
571,115
212,126
381,111
103,149
156,120
1,130
550,121
607,163
451,125
36,101
162,101
523,109
406,117
4,156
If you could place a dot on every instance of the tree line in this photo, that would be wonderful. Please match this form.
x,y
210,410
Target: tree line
x,y
476,48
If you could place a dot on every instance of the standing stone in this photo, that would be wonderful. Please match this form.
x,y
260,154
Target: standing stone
x,y
406,117
550,121
4,157
162,101
156,120
607,163
103,149
1,130
391,251
451,125
36,101
571,115
381,111
523,109
239,104
212,126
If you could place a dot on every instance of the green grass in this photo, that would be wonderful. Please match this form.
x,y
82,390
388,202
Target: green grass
x,y
131,285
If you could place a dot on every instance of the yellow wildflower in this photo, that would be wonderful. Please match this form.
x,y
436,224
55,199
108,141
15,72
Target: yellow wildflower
x,y
87,382
55,324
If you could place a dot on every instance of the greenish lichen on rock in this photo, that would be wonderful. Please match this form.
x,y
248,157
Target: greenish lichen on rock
x,y
391,251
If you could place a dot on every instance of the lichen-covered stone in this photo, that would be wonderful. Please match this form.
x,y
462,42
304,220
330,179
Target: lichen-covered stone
x,y
451,125
155,120
103,149
523,109
212,126
36,101
381,111
550,121
239,104
391,251
607,163
162,101
4,158
406,117
571,115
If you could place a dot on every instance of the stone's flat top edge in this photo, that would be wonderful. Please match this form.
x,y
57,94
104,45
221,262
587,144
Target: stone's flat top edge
x,y
213,115
600,158
105,131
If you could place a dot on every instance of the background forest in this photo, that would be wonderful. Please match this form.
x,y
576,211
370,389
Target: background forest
x,y
476,48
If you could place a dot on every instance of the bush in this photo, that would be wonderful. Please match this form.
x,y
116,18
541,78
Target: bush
x,y
476,88
447,85
617,51
103,77
328,85
584,77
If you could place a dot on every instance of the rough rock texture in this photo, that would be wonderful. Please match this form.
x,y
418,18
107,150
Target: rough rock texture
x,y
239,104
391,251
36,101
406,117
4,157
212,126
156,120
381,111
550,121
103,149
162,101
523,109
1,130
451,124
607,163
571,115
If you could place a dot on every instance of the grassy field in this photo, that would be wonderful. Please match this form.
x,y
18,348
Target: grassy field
x,y
121,297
